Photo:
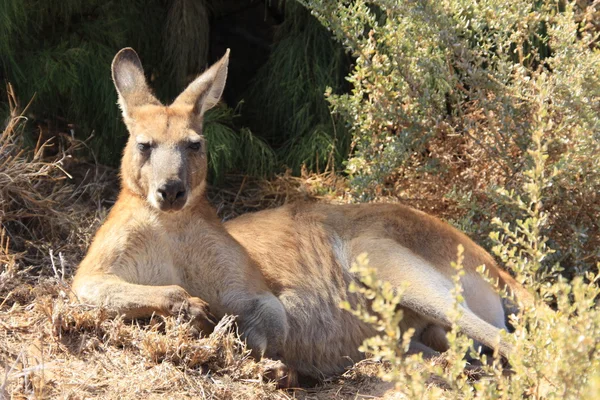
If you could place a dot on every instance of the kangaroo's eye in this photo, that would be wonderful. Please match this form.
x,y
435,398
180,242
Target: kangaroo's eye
x,y
144,147
195,146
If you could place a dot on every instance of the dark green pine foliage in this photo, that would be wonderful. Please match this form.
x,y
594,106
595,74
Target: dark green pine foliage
x,y
286,102
59,53
230,149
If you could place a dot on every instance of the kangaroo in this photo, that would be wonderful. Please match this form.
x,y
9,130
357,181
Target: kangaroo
x,y
284,271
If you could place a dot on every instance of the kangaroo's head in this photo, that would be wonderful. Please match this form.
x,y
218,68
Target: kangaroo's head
x,y
165,157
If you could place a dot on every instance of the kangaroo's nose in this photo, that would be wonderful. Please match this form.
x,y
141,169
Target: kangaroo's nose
x,y
172,191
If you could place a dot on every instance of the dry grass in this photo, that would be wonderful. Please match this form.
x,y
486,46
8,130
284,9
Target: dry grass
x,y
41,205
53,347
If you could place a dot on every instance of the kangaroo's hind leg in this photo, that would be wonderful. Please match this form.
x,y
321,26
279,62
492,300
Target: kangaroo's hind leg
x,y
427,291
428,339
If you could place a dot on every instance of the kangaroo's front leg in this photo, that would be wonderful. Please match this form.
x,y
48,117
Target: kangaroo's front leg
x,y
139,301
264,325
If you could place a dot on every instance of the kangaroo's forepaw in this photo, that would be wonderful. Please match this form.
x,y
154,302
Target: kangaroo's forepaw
x,y
278,372
196,310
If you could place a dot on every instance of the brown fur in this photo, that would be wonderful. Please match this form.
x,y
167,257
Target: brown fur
x,y
283,272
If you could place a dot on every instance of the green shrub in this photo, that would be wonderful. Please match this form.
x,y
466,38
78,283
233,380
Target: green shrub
x,y
556,353
498,104
454,91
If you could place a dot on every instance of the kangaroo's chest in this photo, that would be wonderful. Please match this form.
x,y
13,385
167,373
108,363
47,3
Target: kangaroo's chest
x,y
162,257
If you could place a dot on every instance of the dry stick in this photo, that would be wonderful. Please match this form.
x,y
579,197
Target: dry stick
x,y
239,191
7,374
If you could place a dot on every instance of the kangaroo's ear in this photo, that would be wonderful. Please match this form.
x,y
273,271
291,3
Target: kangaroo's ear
x,y
206,90
128,76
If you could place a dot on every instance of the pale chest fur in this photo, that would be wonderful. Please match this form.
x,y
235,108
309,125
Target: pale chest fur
x,y
184,254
